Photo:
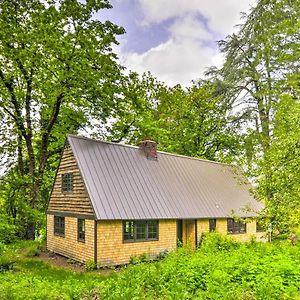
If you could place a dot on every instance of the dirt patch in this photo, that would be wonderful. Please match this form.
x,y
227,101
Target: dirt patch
x,y
63,262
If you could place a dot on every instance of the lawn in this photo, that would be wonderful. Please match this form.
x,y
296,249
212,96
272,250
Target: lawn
x,y
219,269
33,278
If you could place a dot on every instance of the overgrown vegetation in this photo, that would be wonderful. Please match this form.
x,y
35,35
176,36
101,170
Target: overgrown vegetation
x,y
218,269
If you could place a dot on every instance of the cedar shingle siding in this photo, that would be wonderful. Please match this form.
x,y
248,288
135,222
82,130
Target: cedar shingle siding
x,y
75,201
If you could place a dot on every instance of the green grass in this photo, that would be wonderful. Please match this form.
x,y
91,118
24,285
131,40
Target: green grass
x,y
32,278
219,269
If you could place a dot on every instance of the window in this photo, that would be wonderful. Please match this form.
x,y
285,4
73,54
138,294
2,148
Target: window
x,y
81,230
67,182
259,226
235,226
59,226
212,224
140,230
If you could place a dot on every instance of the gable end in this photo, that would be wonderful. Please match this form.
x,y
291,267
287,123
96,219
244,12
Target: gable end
x,y
75,202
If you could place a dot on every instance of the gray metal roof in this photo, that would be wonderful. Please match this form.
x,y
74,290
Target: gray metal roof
x,y
123,184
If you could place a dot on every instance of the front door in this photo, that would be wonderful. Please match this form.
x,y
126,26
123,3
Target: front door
x,y
179,232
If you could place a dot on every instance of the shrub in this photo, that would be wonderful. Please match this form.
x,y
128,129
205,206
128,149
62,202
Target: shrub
x,y
213,241
32,249
133,260
7,231
3,248
6,262
162,254
143,257
90,265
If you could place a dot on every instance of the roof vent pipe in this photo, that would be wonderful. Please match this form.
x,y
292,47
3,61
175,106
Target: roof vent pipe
x,y
149,148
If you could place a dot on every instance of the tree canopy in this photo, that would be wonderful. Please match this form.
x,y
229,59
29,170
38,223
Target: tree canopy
x,y
59,75
57,70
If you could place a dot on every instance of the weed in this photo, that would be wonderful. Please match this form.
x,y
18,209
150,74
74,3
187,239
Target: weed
x,y
90,265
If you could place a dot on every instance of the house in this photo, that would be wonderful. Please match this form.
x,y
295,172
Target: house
x,y
111,201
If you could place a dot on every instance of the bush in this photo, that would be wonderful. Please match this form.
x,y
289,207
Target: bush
x,y
162,254
90,265
31,248
143,257
213,241
6,262
219,269
32,252
133,260
7,232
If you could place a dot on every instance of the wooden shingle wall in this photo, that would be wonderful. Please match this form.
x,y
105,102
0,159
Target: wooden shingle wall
x,y
112,250
69,245
76,201
221,227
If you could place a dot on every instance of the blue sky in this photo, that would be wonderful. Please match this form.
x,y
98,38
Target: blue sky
x,y
173,39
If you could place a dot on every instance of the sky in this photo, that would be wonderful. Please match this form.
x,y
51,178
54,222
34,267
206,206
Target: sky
x,y
173,39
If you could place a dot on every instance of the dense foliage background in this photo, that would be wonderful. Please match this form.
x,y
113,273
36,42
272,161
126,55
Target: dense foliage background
x,y
59,75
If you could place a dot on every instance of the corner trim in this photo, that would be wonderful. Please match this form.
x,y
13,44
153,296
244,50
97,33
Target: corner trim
x,y
196,234
95,242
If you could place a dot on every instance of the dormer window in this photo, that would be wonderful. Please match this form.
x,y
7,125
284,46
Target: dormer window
x,y
67,182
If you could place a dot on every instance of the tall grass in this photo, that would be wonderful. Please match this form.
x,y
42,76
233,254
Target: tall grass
x,y
218,269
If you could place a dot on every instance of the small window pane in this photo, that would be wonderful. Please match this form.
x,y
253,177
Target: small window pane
x,y
212,224
59,225
141,230
81,229
230,225
129,230
67,182
259,226
152,229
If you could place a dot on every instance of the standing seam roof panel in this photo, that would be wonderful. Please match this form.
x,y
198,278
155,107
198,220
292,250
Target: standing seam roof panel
x,y
151,170
117,197
187,186
147,192
85,170
111,195
178,209
125,183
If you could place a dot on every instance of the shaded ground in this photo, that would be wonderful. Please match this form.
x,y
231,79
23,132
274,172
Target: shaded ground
x,y
60,261
63,262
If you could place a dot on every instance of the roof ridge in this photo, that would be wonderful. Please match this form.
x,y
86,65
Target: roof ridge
x,y
160,152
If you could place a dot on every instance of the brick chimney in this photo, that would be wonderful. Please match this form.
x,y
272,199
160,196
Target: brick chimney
x,y
149,148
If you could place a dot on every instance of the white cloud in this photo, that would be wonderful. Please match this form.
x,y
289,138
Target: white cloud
x,y
190,48
173,62
221,15
189,27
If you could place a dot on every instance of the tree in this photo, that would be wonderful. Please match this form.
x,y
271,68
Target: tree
x,y
258,61
282,162
190,121
197,122
57,69
260,78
